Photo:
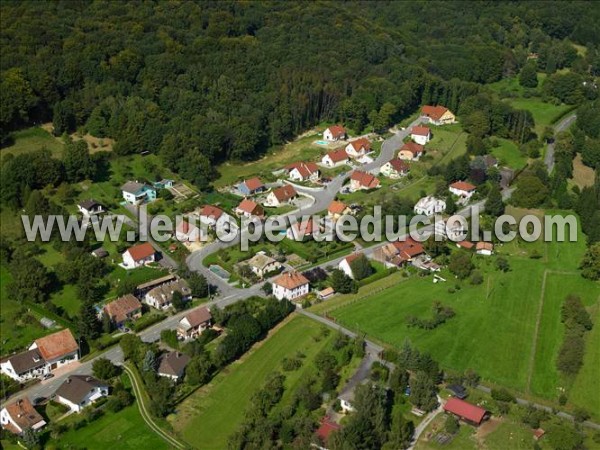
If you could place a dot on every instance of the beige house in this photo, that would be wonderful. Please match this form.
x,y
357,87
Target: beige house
x,y
438,115
261,264
395,168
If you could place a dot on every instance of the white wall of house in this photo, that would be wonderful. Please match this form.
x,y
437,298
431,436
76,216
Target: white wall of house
x,y
346,406
345,267
90,398
461,193
130,263
281,292
419,139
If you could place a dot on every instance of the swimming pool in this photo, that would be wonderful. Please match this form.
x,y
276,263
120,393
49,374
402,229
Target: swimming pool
x,y
322,142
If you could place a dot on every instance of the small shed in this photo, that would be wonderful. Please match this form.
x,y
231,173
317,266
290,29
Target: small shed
x,y
47,323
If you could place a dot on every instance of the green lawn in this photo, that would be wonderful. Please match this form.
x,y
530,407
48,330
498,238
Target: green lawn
x,y
208,417
31,139
125,429
494,331
544,114
508,154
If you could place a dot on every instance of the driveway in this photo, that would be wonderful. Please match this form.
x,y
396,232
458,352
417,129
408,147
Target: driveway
x,y
563,125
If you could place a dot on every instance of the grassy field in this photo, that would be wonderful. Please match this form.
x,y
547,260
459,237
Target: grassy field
x,y
582,175
31,139
524,347
125,429
508,154
208,417
544,114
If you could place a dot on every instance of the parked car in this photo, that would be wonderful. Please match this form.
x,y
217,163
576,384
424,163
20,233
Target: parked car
x,y
39,400
48,376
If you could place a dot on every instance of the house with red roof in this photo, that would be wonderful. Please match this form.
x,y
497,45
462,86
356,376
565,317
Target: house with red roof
x,y
249,208
335,158
326,427
210,215
395,168
363,180
337,209
138,255
290,285
420,134
42,357
298,231
187,232
467,245
251,186
411,151
359,147
462,189
303,171
466,411
123,309
484,248
438,115
18,415
334,133
345,264
281,195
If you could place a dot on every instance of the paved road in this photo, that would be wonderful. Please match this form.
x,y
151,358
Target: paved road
x,y
425,423
563,125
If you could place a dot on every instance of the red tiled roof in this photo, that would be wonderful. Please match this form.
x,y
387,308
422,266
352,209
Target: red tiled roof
x,y
399,166
254,183
119,309
291,280
141,251
353,257
408,249
24,415
361,143
365,179
412,147
435,112
420,130
484,246
285,193
198,316
337,130
465,244
463,186
336,207
305,228
212,211
306,169
338,155
56,345
250,207
465,410
326,428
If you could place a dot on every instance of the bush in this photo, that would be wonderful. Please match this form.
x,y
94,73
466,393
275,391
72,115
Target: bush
x,y
503,395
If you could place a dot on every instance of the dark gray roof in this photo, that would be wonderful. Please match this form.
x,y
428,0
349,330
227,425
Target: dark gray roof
x,y
133,187
173,363
25,361
89,204
100,252
76,387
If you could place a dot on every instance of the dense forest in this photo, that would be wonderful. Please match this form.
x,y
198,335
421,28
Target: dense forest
x,y
204,82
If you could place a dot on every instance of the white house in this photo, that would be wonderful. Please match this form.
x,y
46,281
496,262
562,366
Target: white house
x,y
303,171
79,391
358,148
438,115
334,133
18,415
42,357
172,365
363,181
249,208
335,158
484,248
345,264
161,297
261,264
194,323
136,193
421,135
210,215
430,205
187,232
89,208
290,285
463,189
395,168
281,195
138,255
